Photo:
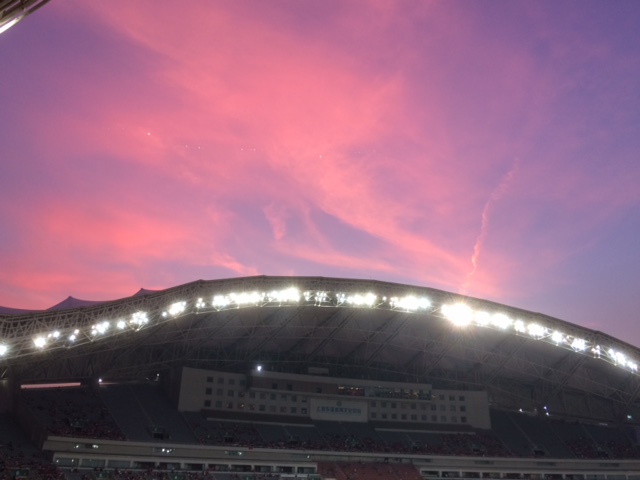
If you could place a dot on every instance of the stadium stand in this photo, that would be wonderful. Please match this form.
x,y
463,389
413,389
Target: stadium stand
x,y
227,389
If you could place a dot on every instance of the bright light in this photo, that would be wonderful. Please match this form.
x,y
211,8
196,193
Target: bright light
x,y
177,308
3,349
579,344
536,330
245,298
259,368
482,318
367,300
10,24
200,303
139,319
121,324
291,294
220,301
410,303
557,337
458,314
500,320
519,326
40,342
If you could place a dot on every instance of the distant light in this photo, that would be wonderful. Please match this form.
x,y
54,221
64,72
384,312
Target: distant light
x,y
40,342
557,337
10,24
3,349
502,321
121,324
536,330
458,314
259,368
177,308
579,344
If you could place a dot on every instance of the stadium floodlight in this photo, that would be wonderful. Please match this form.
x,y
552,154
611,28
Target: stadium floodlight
x,y
14,11
367,300
579,344
482,318
40,342
536,330
139,319
200,303
459,314
519,326
121,324
501,320
220,301
410,303
557,337
177,308
290,294
3,349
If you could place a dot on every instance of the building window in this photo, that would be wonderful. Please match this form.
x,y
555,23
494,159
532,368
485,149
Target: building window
x,y
207,391
273,396
463,419
283,409
274,386
434,418
384,416
433,407
454,419
263,396
232,381
443,418
463,408
219,404
384,404
230,393
262,407
272,408
294,398
209,379
289,387
452,398
452,408
293,410
207,403
374,415
373,404
394,416
403,416
229,405
252,394
443,408
220,380
461,398
303,411
219,392
414,416
393,404
424,418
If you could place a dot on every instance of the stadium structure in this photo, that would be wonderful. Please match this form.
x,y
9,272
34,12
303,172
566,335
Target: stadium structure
x,y
311,377
13,11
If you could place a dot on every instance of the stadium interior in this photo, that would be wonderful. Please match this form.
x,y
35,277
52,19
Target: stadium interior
x,y
311,378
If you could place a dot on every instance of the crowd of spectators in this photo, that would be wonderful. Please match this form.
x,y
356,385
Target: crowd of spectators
x,y
77,412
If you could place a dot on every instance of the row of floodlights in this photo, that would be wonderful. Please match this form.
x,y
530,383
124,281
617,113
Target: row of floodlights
x,y
462,315
459,314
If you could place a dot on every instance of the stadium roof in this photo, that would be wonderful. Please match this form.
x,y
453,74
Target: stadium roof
x,y
13,11
355,328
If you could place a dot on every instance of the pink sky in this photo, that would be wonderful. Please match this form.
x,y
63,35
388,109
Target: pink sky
x,y
486,148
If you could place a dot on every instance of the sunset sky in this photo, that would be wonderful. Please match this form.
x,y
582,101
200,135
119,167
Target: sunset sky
x,y
490,148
